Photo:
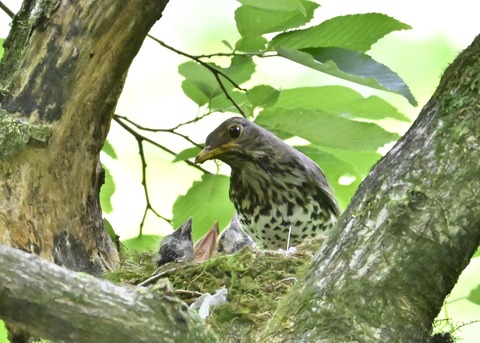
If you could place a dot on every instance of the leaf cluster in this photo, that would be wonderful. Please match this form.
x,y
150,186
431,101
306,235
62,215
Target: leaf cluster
x,y
339,124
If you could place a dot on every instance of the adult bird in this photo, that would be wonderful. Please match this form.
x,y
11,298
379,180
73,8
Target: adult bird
x,y
281,196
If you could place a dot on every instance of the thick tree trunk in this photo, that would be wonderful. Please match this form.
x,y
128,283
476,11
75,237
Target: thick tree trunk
x,y
410,230
63,70
73,307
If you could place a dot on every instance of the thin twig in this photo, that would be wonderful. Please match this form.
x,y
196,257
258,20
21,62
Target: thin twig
x,y
288,279
148,205
196,59
192,121
155,277
470,322
455,300
7,10
158,145
185,291
172,130
235,54
140,139
229,97
217,73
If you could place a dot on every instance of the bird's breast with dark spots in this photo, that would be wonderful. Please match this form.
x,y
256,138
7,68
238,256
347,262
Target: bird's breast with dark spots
x,y
272,214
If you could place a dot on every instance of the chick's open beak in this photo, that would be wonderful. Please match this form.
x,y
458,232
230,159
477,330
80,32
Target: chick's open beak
x,y
209,153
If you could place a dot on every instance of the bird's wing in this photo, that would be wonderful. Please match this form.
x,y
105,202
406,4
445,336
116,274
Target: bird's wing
x,y
324,191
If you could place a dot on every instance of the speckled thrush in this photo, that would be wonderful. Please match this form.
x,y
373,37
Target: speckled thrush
x,y
280,194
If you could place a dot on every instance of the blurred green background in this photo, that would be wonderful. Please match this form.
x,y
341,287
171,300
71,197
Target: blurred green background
x,y
153,96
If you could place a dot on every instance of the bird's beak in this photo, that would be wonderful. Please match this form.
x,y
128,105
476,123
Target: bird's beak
x,y
209,153
208,244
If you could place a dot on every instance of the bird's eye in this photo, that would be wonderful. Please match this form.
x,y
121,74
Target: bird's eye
x,y
234,131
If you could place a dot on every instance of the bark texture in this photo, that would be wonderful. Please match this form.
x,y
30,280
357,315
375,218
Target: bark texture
x,y
410,230
63,70
80,308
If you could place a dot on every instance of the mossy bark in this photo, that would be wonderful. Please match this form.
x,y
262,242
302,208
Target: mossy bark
x,y
80,308
410,230
255,280
60,78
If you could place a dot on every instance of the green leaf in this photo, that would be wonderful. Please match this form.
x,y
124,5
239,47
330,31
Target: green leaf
x,y
339,100
337,163
352,66
362,161
106,192
253,21
262,95
326,130
199,85
222,104
3,330
251,44
194,71
227,44
1,54
109,150
240,70
474,295
143,243
357,63
276,5
334,168
354,32
194,93
187,153
477,253
206,201
109,228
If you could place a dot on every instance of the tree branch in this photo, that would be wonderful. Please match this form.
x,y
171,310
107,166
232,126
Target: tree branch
x,y
35,294
137,136
172,130
148,205
71,92
264,54
7,10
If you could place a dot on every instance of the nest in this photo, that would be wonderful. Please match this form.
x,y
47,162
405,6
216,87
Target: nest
x,y
255,280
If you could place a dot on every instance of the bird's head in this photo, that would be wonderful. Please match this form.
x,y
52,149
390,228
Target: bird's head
x,y
236,139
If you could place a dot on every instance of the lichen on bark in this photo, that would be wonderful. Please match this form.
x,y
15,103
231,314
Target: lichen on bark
x,y
15,135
